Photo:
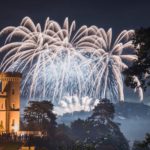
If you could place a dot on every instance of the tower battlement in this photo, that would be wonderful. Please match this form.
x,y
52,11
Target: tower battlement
x,y
10,76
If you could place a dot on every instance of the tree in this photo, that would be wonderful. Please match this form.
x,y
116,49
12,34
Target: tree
x,y
39,116
99,130
105,128
144,145
103,112
78,128
141,68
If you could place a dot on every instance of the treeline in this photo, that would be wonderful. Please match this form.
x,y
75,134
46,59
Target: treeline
x,y
97,132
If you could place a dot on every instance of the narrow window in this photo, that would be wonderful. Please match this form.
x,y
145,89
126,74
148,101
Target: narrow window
x,y
2,106
1,124
0,86
13,122
13,106
13,91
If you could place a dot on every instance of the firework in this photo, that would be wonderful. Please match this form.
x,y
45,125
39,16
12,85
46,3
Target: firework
x,y
59,61
108,60
70,104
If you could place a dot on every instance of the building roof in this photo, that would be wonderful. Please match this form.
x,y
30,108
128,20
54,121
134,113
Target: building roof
x,y
10,74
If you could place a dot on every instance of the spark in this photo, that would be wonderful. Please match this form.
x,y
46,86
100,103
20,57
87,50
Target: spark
x,y
59,61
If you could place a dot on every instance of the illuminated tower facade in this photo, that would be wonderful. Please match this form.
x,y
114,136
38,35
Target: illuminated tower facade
x,y
9,102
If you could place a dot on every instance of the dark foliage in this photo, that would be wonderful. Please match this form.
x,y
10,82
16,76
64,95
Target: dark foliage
x,y
40,117
99,130
144,145
141,68
104,111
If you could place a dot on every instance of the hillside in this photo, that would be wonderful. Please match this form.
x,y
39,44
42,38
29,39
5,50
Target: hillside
x,y
134,119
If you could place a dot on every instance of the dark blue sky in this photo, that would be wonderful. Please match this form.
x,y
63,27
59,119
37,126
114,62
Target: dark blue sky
x,y
118,14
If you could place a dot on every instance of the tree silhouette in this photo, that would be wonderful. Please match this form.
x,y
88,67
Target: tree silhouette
x,y
78,128
103,112
39,116
141,68
144,145
99,130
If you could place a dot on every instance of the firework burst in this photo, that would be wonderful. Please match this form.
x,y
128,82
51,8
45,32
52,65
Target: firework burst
x,y
109,60
58,61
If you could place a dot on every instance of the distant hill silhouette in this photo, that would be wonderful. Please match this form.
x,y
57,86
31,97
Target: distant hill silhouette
x,y
124,110
134,119
130,110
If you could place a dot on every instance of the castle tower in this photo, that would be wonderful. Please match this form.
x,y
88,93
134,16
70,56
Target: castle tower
x,y
9,102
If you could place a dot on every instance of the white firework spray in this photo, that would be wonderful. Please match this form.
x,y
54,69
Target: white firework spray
x,y
59,61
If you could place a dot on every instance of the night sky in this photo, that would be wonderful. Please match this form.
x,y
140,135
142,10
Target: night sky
x,y
118,14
